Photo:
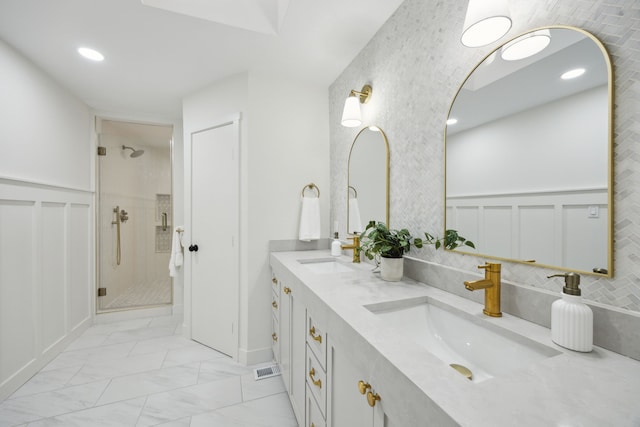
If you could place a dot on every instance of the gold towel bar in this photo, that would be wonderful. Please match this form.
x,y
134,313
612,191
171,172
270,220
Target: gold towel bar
x,y
311,186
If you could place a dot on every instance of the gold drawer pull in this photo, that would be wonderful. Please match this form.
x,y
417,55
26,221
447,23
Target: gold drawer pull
x,y
274,304
274,336
315,382
363,387
274,280
287,290
312,332
372,398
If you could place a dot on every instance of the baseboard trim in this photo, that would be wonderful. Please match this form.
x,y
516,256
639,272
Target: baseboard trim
x,y
254,357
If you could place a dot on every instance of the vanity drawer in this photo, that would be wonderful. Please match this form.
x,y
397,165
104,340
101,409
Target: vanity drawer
x,y
317,381
312,411
317,339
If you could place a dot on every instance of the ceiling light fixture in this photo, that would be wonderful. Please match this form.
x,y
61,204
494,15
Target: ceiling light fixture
x,y
526,46
91,54
572,74
485,22
351,115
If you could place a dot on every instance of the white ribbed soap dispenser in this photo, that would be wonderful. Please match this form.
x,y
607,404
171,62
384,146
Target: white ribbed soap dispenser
x,y
571,319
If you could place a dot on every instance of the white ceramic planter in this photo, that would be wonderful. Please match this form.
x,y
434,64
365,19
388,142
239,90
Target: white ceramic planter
x,y
391,269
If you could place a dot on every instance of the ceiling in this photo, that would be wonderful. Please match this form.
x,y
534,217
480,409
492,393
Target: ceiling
x,y
155,56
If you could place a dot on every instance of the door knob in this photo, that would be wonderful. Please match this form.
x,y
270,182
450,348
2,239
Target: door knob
x,y
193,248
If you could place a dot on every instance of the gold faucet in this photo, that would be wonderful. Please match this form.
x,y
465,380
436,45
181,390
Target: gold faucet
x,y
355,246
491,286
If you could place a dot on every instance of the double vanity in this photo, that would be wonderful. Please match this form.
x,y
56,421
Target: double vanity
x,y
358,351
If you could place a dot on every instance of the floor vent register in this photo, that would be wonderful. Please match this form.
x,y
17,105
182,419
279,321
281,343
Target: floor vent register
x,y
266,372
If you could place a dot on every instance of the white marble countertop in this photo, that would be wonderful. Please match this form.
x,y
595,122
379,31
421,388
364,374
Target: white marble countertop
x,y
600,388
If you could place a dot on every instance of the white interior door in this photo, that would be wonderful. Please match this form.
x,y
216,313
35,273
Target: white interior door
x,y
214,230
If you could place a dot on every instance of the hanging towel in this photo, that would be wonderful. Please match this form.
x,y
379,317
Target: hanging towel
x,y
355,223
175,262
310,219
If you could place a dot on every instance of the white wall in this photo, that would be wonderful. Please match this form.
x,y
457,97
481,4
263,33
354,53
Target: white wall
x,y
44,129
284,146
517,155
46,219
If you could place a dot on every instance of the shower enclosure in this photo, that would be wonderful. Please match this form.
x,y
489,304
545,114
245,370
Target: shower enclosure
x,y
133,215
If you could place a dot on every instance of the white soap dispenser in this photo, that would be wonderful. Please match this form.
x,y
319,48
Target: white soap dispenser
x,y
571,319
336,246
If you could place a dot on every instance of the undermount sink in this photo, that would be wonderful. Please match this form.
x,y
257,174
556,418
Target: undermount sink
x,y
325,265
461,339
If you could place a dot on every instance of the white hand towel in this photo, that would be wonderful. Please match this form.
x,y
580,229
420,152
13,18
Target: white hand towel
x,y
355,223
310,219
175,262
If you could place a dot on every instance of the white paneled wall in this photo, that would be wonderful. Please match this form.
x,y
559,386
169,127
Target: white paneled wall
x,y
46,260
553,228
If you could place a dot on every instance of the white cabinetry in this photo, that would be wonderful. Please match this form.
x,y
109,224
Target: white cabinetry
x,y
289,343
275,316
353,400
321,374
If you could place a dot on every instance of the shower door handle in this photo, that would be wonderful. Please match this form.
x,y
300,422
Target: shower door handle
x,y
193,248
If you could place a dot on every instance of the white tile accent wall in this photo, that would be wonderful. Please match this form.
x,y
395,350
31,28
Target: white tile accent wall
x,y
415,64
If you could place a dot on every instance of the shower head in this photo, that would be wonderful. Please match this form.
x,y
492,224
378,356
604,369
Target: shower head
x,y
135,153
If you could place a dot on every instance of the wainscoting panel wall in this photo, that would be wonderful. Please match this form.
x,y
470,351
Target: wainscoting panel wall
x,y
549,228
46,286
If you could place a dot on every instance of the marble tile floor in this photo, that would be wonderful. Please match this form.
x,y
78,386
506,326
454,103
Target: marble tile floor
x,y
144,373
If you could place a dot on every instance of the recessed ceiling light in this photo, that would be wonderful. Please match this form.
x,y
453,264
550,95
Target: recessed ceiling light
x,y
452,121
91,54
572,74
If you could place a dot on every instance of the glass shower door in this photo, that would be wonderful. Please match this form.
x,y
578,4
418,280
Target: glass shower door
x,y
134,216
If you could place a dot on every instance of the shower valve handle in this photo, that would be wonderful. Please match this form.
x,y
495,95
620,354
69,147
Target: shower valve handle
x,y
193,248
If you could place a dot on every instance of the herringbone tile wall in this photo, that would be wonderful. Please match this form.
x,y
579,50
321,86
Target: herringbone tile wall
x,y
416,63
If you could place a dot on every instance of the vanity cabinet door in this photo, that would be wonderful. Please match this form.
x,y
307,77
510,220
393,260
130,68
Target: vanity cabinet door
x,y
275,319
346,405
292,347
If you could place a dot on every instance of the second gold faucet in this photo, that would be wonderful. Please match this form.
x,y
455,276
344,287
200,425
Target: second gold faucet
x,y
491,286
355,246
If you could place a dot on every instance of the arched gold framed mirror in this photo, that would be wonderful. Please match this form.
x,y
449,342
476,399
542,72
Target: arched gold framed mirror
x,y
529,160
368,179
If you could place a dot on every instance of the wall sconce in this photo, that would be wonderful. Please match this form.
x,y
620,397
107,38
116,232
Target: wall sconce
x,y
486,21
351,115
526,46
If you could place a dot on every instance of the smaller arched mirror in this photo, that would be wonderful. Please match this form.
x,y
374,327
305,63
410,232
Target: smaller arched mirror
x,y
368,180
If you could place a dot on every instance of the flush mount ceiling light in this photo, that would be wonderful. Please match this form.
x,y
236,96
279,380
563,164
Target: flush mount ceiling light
x,y
486,21
572,74
351,115
526,46
91,54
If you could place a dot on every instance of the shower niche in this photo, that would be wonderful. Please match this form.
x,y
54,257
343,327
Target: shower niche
x,y
134,174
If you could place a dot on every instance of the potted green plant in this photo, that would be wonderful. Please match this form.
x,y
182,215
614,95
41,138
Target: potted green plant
x,y
387,247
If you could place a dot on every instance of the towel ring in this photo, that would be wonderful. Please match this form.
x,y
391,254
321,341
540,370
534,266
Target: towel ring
x,y
311,186
355,193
